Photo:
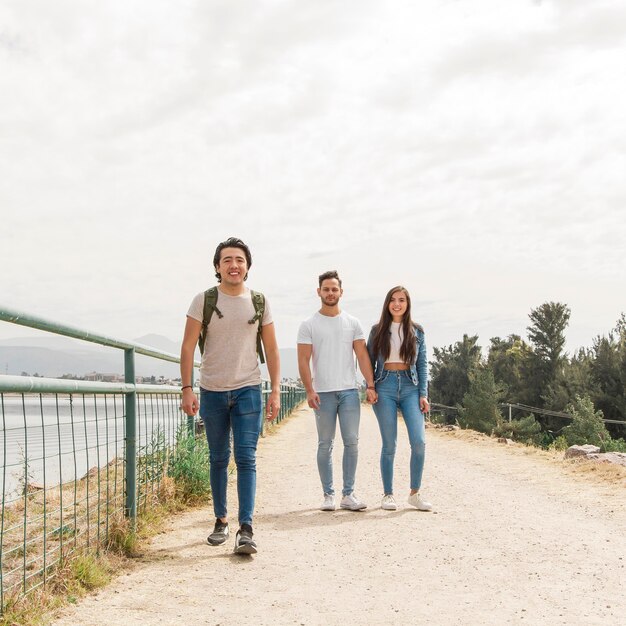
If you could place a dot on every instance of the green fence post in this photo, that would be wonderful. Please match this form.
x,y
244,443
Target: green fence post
x,y
130,431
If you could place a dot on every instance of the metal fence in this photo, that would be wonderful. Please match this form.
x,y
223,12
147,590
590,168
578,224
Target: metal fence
x,y
81,459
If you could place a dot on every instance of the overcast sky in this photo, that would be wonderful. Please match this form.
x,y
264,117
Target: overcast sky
x,y
472,150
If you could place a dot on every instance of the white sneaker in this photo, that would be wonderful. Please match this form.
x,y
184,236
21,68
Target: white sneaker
x,y
388,503
352,503
329,503
421,505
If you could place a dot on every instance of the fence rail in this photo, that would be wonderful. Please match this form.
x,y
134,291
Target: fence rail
x,y
446,410
81,458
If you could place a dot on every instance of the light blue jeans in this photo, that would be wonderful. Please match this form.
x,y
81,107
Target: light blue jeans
x,y
397,391
347,406
239,409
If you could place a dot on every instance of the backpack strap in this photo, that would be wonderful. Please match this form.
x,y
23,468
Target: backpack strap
x,y
258,301
210,305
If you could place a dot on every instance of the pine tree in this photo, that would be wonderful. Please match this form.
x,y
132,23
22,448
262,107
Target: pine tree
x,y
480,404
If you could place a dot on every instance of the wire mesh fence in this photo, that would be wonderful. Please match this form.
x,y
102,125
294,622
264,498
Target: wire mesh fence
x,y
64,472
64,475
79,460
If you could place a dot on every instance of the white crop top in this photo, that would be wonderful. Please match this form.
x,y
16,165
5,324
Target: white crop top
x,y
395,342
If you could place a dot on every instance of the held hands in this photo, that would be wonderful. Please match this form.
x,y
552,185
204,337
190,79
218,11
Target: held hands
x,y
190,404
371,396
272,406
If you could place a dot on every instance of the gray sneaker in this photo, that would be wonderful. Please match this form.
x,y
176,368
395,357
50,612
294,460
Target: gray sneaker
x,y
219,534
244,543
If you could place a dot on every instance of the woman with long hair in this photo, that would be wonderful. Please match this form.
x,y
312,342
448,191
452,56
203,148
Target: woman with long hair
x,y
398,353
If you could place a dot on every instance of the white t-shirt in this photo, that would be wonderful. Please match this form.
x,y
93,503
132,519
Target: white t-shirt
x,y
331,339
230,360
395,342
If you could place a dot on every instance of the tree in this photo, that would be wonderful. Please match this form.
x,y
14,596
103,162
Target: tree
x,y
587,425
506,360
451,370
573,379
480,404
608,371
547,335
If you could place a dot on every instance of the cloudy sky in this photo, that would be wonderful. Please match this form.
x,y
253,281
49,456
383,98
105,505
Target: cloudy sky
x,y
473,150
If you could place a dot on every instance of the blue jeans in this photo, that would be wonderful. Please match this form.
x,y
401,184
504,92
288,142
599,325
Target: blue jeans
x,y
347,406
239,409
397,391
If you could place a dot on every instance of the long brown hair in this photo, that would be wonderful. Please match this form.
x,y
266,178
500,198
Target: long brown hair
x,y
381,341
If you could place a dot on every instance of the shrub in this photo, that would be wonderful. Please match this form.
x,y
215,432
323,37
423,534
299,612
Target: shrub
x,y
587,425
526,430
189,466
614,445
560,443
480,404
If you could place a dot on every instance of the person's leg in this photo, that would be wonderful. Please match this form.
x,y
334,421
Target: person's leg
x,y
326,422
386,411
414,420
215,414
246,418
349,411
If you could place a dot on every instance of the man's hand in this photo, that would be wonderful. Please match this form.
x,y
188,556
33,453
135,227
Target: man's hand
x,y
424,405
313,400
190,404
272,406
371,396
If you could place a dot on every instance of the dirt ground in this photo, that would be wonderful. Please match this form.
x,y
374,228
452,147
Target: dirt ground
x,y
514,538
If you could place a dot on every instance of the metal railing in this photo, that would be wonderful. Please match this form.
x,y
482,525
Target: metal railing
x,y
448,411
79,459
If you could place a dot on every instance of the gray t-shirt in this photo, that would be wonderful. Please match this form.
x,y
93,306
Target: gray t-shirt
x,y
230,358
331,339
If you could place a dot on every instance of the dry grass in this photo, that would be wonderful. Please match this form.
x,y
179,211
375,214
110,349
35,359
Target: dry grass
x,y
61,542
588,470
75,543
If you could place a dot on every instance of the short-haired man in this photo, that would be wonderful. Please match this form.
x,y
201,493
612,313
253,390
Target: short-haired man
x,y
230,385
331,338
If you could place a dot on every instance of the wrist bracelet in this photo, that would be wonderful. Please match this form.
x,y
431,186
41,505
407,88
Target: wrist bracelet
x,y
186,387
372,387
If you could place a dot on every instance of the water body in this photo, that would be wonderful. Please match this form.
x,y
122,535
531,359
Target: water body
x,y
56,438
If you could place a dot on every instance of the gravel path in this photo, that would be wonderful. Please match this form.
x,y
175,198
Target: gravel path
x,y
513,539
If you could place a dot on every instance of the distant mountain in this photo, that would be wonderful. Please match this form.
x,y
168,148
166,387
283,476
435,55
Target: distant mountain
x,y
55,356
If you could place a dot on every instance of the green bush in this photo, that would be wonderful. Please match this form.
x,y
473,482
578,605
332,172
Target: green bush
x,y
480,404
560,443
587,425
189,466
438,418
614,445
525,430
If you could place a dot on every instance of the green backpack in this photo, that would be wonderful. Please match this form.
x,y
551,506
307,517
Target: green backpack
x,y
210,305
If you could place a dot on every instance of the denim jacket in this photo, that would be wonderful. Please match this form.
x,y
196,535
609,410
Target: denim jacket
x,y
418,369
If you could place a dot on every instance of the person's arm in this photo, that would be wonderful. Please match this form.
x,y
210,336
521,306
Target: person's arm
x,y
422,374
193,327
370,348
304,367
365,365
272,356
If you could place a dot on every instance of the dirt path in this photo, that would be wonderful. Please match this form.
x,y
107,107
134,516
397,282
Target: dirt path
x,y
514,539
